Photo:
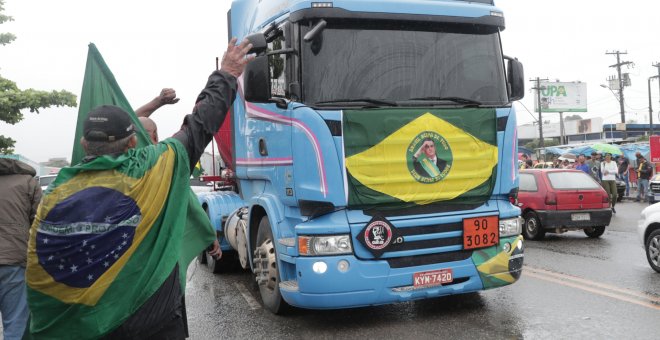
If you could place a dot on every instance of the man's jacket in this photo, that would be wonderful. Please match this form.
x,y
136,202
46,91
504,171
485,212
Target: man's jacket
x,y
18,204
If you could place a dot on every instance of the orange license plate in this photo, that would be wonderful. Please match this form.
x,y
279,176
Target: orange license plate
x,y
481,232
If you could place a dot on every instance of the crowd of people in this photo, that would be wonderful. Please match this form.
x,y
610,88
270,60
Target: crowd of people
x,y
607,169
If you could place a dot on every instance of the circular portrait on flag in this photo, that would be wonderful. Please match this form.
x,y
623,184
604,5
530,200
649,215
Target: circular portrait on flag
x,y
429,157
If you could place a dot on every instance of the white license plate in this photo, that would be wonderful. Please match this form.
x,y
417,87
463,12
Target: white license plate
x,y
657,197
434,278
580,217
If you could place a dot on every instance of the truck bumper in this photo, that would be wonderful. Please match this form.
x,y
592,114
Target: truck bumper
x,y
373,282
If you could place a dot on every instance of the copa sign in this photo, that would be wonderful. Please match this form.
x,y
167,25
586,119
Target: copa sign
x,y
562,97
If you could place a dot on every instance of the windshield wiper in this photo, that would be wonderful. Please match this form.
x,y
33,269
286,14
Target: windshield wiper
x,y
379,102
459,100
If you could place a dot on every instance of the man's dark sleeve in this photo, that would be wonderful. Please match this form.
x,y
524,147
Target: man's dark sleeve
x,y
210,109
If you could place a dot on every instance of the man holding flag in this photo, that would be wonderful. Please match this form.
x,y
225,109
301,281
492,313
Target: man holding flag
x,y
114,234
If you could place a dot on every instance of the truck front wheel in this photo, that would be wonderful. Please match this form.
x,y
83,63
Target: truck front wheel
x,y
266,271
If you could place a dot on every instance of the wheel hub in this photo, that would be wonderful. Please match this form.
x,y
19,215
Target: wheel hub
x,y
654,250
265,265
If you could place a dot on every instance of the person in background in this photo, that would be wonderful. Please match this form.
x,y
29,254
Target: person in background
x,y
624,172
581,165
20,197
609,170
644,173
167,97
523,164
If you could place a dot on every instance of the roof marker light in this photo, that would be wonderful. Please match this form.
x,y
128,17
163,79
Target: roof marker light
x,y
321,4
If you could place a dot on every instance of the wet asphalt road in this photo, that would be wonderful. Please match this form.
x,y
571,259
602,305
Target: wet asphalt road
x,y
572,287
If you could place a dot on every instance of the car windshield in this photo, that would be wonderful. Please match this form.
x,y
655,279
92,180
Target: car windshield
x,y
412,64
564,180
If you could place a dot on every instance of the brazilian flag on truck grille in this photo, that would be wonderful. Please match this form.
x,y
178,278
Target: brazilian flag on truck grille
x,y
110,231
398,158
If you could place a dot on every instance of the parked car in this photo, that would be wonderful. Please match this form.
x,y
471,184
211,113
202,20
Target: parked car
x,y
648,229
543,165
45,180
199,186
560,200
620,189
654,189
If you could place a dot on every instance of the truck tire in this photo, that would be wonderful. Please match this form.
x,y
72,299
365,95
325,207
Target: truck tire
x,y
652,248
594,232
532,229
265,259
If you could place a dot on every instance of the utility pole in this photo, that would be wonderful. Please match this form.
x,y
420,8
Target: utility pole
x,y
561,128
538,89
618,65
651,106
656,65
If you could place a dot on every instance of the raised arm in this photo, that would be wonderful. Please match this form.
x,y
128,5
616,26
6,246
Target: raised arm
x,y
167,96
213,102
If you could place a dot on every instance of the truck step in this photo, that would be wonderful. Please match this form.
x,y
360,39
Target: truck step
x,y
291,286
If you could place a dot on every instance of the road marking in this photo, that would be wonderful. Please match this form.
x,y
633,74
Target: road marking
x,y
252,302
621,294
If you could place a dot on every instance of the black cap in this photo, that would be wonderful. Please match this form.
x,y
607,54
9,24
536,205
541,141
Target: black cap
x,y
107,123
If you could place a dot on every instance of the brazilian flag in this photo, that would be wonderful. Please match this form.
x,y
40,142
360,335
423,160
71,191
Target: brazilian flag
x,y
106,236
402,158
101,88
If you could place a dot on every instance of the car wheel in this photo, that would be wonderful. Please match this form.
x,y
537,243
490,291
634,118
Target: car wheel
x,y
532,230
266,269
594,232
653,250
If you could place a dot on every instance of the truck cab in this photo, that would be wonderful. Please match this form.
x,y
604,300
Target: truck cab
x,y
374,152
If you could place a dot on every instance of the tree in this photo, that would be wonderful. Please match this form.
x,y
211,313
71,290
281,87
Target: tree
x,y
13,100
546,143
573,117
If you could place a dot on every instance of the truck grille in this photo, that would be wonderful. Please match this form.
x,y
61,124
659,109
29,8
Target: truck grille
x,y
445,240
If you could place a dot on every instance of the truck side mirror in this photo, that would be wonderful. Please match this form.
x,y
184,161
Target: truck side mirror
x,y
259,44
515,79
257,80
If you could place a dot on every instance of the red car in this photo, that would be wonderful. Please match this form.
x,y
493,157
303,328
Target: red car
x,y
559,200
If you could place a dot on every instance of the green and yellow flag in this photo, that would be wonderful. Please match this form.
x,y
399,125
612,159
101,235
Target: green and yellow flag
x,y
101,88
411,157
109,232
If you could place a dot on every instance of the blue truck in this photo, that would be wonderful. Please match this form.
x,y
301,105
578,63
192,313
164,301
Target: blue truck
x,y
371,153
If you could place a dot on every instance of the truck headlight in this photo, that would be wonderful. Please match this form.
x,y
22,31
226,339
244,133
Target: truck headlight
x,y
324,245
510,227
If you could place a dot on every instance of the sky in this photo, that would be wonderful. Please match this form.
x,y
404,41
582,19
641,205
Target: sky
x,y
151,44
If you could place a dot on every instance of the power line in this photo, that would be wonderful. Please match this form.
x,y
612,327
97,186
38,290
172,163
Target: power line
x,y
528,111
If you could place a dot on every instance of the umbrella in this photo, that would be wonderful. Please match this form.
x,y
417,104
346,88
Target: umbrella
x,y
607,148
555,150
568,156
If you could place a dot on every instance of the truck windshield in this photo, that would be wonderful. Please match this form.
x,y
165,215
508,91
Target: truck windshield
x,y
407,63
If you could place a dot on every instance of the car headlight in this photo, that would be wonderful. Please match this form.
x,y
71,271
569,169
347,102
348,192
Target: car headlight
x,y
324,245
510,227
